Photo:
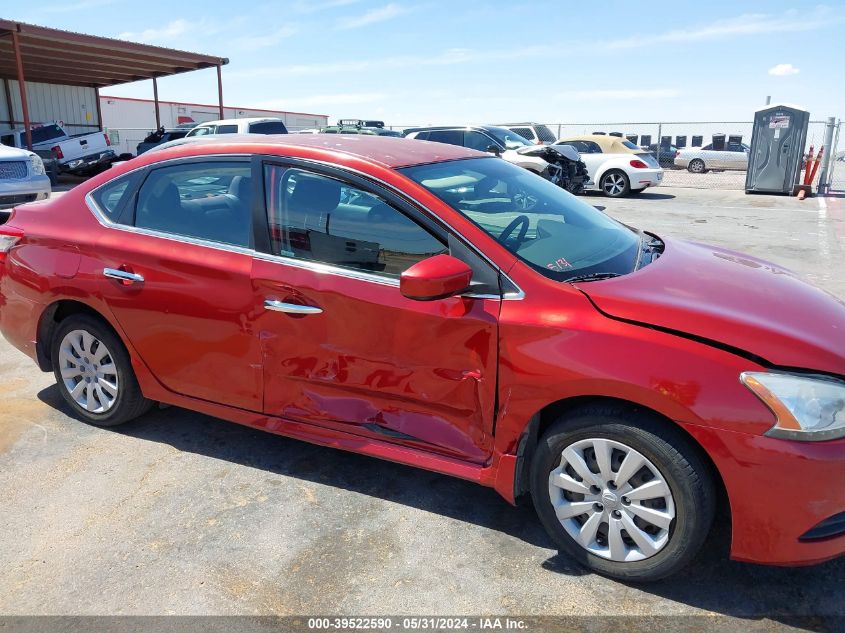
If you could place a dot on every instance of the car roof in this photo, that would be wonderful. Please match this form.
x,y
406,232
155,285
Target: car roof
x,y
255,119
389,151
609,144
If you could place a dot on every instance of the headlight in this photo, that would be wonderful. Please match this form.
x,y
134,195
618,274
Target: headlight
x,y
807,408
36,164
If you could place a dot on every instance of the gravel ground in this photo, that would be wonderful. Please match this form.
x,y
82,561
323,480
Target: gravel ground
x,y
180,513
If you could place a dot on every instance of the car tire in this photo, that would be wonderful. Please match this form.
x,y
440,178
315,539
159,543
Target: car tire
x,y
615,184
94,372
696,166
619,542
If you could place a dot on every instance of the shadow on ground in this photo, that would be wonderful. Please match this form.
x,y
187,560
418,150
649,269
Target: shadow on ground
x,y
712,582
645,195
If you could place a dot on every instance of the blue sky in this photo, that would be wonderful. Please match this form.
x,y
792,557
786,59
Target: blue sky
x,y
473,61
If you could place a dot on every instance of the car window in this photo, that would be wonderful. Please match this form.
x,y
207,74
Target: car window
x,y
630,145
545,134
227,129
205,200
268,127
110,196
452,137
46,133
585,147
524,132
201,131
506,138
735,147
710,146
420,136
477,140
320,219
553,231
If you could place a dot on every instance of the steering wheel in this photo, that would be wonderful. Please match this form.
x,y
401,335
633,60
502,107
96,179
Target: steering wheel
x,y
522,220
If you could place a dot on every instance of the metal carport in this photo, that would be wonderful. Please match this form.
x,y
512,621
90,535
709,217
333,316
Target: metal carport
x,y
53,56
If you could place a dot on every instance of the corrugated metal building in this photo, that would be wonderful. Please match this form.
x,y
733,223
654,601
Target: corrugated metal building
x,y
75,106
127,121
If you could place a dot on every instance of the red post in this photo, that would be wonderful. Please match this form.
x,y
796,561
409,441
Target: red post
x,y
99,108
220,90
22,88
155,100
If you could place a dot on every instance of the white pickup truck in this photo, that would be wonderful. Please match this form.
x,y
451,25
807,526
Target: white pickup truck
x,y
81,154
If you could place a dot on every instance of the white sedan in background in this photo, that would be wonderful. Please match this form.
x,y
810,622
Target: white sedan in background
x,y
616,166
700,160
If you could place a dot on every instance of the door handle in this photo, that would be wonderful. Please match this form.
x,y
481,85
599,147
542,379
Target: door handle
x,y
290,308
122,275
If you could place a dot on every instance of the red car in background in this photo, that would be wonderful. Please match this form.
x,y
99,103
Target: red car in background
x,y
439,307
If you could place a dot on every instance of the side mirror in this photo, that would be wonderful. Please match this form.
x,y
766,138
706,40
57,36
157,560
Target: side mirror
x,y
494,149
437,277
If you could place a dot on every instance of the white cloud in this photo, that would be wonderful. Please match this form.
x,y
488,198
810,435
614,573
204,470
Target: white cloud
x,y
169,31
781,70
255,42
373,16
748,24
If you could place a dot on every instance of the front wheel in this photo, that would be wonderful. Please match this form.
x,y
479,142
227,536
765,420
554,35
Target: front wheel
x,y
623,493
615,184
94,372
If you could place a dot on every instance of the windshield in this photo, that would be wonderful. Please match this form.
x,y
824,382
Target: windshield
x,y
511,140
545,226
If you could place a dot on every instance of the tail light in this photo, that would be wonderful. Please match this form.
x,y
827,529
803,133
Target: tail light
x,y
638,164
57,152
108,140
8,238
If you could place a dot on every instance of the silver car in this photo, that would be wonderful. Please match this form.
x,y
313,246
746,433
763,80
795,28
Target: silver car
x,y
699,160
22,177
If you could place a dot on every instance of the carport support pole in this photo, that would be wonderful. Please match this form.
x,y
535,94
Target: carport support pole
x,y
155,99
824,177
220,90
22,88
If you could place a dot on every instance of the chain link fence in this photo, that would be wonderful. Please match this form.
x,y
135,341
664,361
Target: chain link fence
x,y
700,154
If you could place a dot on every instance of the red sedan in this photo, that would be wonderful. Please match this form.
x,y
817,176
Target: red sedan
x,y
439,307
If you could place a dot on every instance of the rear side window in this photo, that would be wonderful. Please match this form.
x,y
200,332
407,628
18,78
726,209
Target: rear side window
x,y
545,134
524,132
227,129
111,197
452,137
208,201
46,133
420,136
202,130
317,218
268,127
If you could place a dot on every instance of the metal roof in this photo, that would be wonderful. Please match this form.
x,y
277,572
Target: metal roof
x,y
63,57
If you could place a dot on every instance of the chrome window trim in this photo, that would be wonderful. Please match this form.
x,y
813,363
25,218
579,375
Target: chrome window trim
x,y
318,267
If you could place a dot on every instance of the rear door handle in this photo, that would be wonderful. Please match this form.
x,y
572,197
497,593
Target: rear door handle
x,y
122,275
290,308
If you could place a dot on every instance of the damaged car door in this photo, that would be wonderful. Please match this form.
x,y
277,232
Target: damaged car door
x,y
342,348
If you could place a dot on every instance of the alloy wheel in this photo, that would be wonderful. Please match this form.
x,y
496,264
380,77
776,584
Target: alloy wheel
x,y
614,184
612,500
88,371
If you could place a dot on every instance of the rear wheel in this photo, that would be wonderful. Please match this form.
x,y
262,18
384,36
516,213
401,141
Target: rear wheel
x,y
696,166
623,493
615,184
94,373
